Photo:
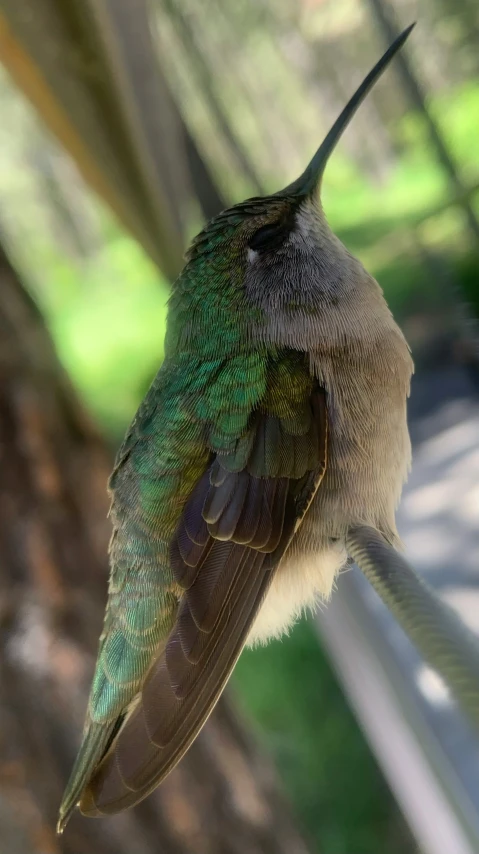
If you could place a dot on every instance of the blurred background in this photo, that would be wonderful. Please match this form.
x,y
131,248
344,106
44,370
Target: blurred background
x,y
124,125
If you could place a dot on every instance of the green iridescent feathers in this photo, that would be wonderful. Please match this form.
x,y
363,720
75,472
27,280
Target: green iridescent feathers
x,y
234,526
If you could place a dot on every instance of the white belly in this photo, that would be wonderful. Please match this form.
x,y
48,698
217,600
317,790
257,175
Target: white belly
x,y
300,583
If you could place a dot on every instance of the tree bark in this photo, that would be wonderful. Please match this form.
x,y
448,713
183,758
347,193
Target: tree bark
x,y
223,798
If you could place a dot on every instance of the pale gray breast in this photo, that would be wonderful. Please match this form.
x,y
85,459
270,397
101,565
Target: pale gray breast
x,y
362,360
369,451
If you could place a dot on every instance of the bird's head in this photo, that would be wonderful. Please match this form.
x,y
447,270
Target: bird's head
x,y
277,252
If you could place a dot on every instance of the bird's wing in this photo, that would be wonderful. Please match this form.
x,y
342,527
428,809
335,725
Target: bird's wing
x,y
206,499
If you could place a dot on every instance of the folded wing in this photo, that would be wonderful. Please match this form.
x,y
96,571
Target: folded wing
x,y
232,534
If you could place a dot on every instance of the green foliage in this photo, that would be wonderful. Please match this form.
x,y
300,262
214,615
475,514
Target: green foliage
x,y
417,184
468,271
108,320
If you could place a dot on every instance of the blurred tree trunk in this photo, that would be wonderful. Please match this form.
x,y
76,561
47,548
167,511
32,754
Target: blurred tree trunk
x,y
208,194
208,91
71,225
223,797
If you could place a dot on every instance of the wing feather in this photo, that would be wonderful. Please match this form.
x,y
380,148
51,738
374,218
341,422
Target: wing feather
x,y
204,507
225,582
163,725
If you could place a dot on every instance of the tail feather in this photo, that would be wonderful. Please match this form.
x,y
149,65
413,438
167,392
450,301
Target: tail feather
x,y
95,743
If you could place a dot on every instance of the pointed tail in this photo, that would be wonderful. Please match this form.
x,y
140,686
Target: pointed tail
x,y
95,741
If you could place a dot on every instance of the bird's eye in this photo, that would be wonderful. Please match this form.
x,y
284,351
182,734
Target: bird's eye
x,y
268,236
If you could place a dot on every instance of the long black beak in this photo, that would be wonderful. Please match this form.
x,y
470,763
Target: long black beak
x,y
310,180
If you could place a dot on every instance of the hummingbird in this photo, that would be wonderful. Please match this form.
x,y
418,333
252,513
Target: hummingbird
x,y
271,448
